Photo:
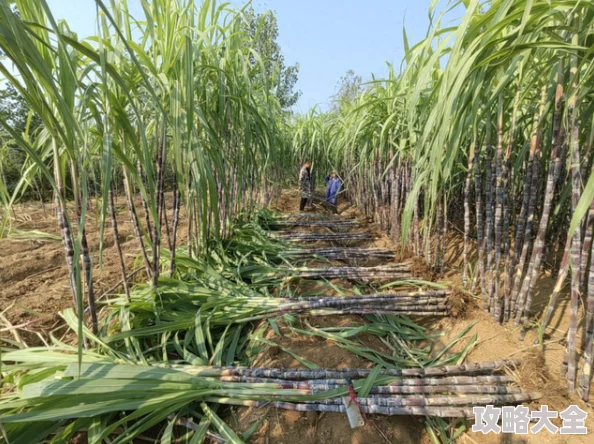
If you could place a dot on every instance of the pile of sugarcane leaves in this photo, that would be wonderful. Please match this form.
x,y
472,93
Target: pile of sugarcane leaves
x,y
154,367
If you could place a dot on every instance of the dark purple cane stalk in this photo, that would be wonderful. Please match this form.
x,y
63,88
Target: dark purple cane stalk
x,y
576,191
176,206
552,177
472,368
561,276
535,145
65,229
495,296
467,215
508,210
480,271
84,246
438,233
114,225
147,214
136,224
586,379
520,232
488,216
156,231
569,363
66,235
444,228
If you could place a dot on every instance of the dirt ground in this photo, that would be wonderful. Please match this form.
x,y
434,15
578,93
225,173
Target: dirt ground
x,y
34,287
34,283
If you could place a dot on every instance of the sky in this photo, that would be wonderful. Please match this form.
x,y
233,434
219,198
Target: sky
x,y
326,37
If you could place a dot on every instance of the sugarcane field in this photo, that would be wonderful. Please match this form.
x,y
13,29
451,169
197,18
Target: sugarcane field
x,y
208,234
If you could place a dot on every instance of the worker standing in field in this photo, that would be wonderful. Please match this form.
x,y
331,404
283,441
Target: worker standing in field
x,y
333,184
305,185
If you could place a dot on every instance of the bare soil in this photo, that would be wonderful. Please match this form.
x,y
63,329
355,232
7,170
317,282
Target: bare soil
x,y
34,282
34,288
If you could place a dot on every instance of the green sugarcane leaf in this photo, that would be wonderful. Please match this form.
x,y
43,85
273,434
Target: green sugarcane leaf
x,y
253,428
200,340
200,433
233,346
217,357
369,382
274,326
168,432
226,432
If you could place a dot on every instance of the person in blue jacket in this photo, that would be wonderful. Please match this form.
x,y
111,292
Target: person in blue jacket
x,y
333,184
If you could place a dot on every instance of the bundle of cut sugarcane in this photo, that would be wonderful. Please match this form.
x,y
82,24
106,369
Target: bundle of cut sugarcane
x,y
313,216
314,223
323,237
393,272
230,309
448,391
429,303
445,391
335,253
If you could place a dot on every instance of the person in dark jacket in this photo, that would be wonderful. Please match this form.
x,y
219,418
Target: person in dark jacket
x,y
334,184
305,185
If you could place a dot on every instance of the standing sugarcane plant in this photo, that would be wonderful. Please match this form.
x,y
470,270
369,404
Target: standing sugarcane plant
x,y
500,119
136,111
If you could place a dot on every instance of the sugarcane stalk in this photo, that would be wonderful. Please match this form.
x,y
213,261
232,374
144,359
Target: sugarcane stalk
x,y
65,228
561,276
160,196
467,183
313,216
480,272
495,287
163,220
444,229
176,206
488,215
585,254
324,237
382,305
445,412
147,214
520,233
507,211
588,354
445,400
392,300
66,235
340,253
375,296
136,223
114,225
335,373
398,271
314,223
438,233
576,191
416,226
423,311
447,380
84,248
552,177
535,143
395,201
